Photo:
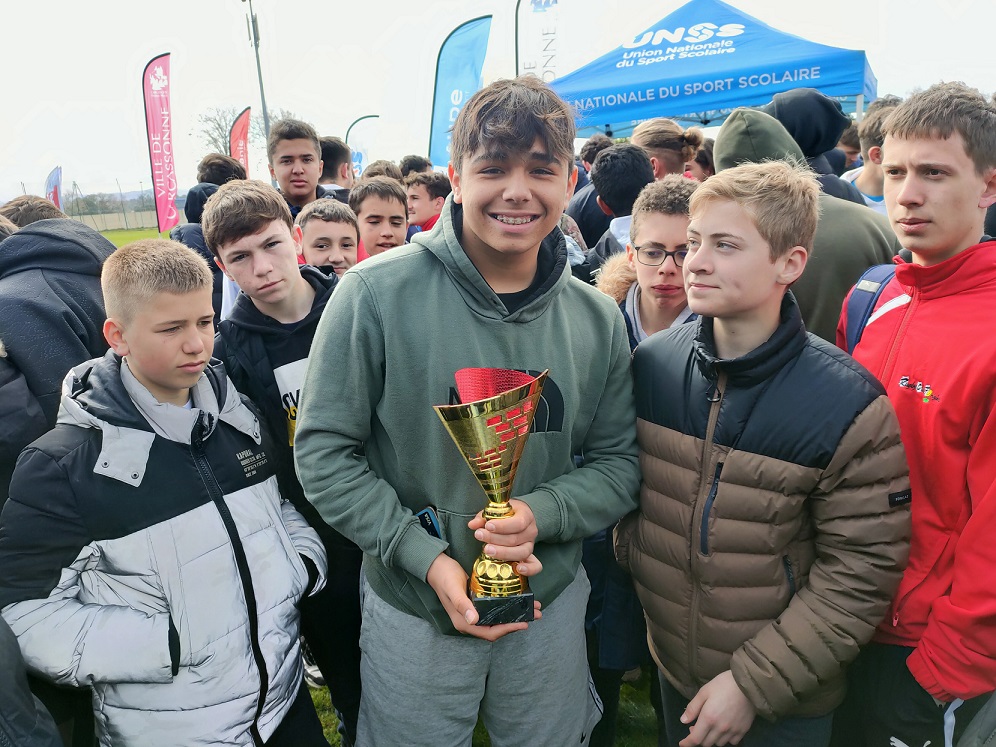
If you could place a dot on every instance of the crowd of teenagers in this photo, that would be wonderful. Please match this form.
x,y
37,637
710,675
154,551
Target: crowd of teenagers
x,y
763,465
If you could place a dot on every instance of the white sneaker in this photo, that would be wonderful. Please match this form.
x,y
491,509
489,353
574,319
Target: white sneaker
x,y
312,674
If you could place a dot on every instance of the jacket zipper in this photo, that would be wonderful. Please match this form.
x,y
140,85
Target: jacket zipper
x,y
242,563
901,602
789,574
704,530
716,400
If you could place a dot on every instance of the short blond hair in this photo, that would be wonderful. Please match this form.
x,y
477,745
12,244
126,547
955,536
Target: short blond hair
x,y
781,198
666,140
137,272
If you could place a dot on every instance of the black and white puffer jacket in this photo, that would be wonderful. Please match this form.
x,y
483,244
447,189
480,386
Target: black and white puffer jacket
x,y
145,551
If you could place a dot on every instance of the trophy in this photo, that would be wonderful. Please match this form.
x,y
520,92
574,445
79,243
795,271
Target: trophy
x,y
490,429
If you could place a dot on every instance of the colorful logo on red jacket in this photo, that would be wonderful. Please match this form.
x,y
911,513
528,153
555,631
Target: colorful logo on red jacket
x,y
924,391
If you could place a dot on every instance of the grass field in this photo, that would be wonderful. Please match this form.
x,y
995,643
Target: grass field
x,y
636,727
122,236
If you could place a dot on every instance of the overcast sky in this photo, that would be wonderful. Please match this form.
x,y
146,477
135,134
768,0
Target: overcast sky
x,y
73,69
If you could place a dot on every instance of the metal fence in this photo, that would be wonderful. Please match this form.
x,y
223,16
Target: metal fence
x,y
114,221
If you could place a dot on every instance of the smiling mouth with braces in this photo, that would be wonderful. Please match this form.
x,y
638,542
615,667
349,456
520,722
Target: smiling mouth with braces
x,y
514,221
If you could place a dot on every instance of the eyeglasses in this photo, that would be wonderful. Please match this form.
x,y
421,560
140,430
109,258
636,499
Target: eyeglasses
x,y
654,257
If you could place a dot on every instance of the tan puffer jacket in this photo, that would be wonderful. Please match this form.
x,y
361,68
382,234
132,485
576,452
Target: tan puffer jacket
x,y
774,520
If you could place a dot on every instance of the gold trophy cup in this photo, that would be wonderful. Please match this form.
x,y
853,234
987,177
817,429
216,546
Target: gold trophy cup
x,y
491,429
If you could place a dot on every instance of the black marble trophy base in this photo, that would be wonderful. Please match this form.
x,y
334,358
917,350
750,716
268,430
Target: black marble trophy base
x,y
499,610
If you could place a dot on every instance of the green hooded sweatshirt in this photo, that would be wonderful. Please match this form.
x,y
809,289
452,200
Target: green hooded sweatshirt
x,y
849,239
371,452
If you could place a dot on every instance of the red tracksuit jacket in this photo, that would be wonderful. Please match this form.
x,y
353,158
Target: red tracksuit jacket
x,y
931,341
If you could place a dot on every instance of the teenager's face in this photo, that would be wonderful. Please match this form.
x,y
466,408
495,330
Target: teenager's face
x,y
264,264
935,199
511,201
383,224
661,286
421,207
728,271
326,243
851,155
296,166
167,343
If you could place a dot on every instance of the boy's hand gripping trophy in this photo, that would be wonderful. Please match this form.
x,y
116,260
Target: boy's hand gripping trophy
x,y
490,430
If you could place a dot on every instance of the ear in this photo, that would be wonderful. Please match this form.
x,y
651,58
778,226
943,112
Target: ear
x,y
273,174
297,233
345,170
631,256
114,334
221,266
605,208
793,262
989,196
572,182
659,170
437,204
875,154
455,183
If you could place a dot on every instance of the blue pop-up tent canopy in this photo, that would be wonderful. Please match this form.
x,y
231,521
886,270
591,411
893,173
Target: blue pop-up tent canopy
x,y
702,61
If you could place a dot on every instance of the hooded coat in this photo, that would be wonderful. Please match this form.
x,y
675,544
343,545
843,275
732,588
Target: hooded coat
x,y
241,343
815,121
21,418
158,564
849,238
51,306
393,335
51,319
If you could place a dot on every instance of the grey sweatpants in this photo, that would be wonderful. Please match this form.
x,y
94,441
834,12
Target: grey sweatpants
x,y
421,687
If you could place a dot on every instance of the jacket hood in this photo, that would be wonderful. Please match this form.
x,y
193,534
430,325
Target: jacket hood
x,y
197,195
751,136
813,119
444,243
246,315
57,244
616,277
96,395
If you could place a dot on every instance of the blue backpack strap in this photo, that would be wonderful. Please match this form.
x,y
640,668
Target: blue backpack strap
x,y
862,301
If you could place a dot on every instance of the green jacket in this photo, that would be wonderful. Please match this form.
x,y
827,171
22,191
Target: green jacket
x,y
371,452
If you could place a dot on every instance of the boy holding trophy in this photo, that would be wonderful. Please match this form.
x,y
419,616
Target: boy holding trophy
x,y
490,288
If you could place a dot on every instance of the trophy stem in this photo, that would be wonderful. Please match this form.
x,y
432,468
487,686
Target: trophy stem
x,y
498,510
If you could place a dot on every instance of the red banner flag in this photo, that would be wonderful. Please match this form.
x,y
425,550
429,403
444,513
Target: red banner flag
x,y
159,124
238,139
